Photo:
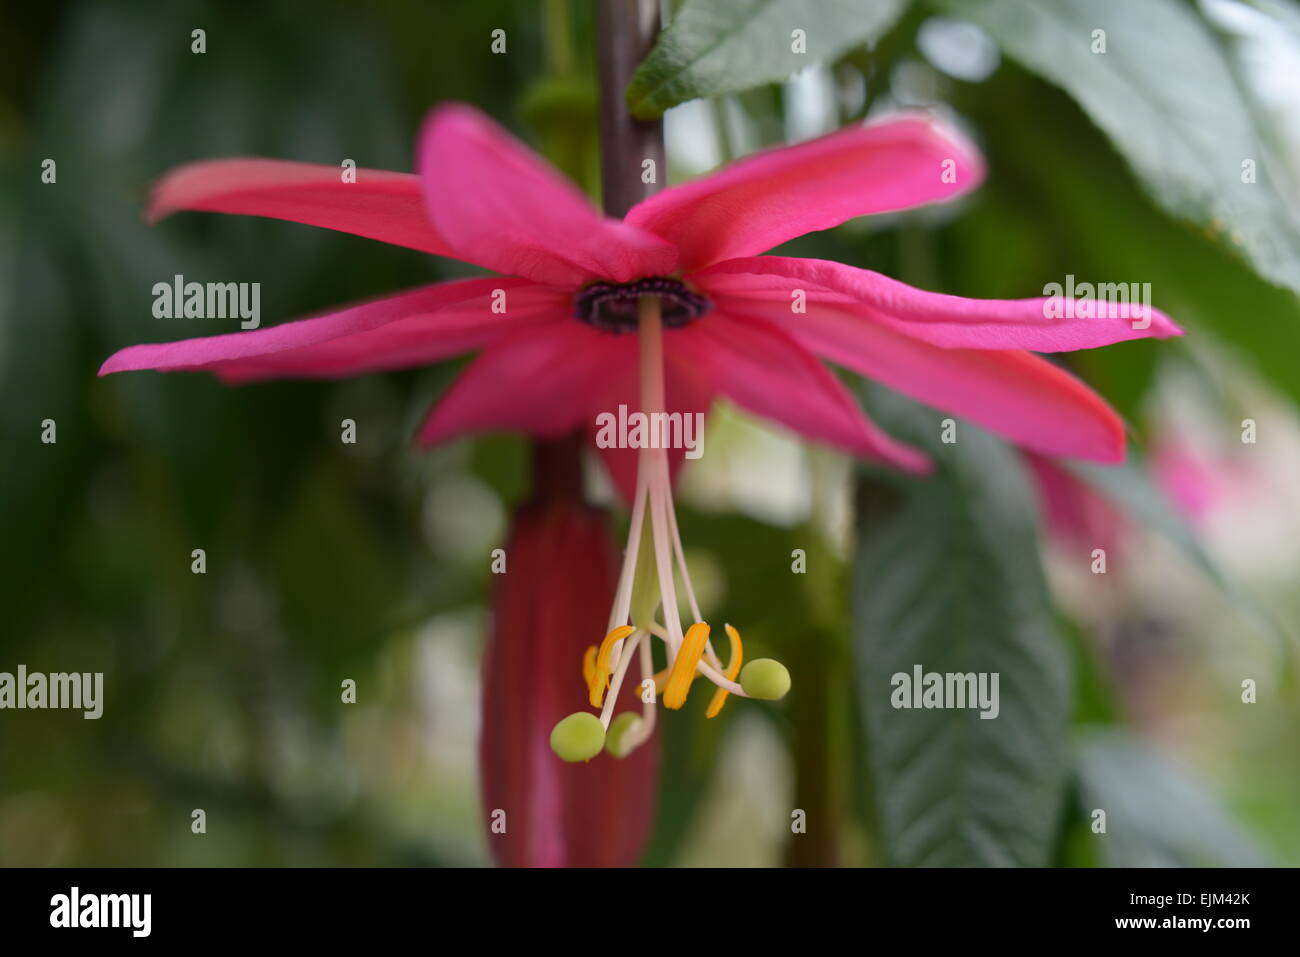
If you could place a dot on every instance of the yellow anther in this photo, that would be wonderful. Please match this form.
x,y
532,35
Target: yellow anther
x,y
589,666
607,650
733,669
600,678
683,668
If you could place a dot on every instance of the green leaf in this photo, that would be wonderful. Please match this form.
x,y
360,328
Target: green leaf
x,y
1157,815
948,577
1165,93
722,46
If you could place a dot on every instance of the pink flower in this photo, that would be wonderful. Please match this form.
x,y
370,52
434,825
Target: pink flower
x,y
1193,481
712,318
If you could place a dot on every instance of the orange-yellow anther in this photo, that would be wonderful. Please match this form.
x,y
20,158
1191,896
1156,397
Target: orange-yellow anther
x,y
683,669
733,669
589,666
600,678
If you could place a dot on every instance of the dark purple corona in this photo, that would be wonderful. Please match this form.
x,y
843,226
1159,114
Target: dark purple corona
x,y
612,306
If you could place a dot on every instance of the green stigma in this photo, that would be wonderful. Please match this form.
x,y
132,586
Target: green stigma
x,y
619,730
579,737
766,679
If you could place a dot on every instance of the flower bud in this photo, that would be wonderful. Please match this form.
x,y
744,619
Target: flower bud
x,y
550,605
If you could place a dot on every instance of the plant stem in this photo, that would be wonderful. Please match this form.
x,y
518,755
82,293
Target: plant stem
x,y
627,30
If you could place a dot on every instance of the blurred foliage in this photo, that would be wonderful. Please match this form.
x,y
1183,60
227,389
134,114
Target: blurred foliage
x,y
328,562
315,557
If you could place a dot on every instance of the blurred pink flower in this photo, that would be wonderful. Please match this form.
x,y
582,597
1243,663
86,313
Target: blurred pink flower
x,y
1194,481
1076,515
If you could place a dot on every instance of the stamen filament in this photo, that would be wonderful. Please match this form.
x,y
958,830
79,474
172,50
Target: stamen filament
x,y
664,567
627,578
648,709
681,563
607,712
646,726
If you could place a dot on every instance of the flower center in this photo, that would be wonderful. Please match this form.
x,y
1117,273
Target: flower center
x,y
612,307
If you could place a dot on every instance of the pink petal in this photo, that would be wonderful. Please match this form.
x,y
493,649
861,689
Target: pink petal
x,y
540,384
947,321
420,340
1015,393
379,205
762,369
776,195
500,206
353,339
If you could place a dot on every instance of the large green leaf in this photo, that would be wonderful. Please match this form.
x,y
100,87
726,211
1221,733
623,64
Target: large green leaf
x,y
1157,815
721,46
1165,93
948,577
